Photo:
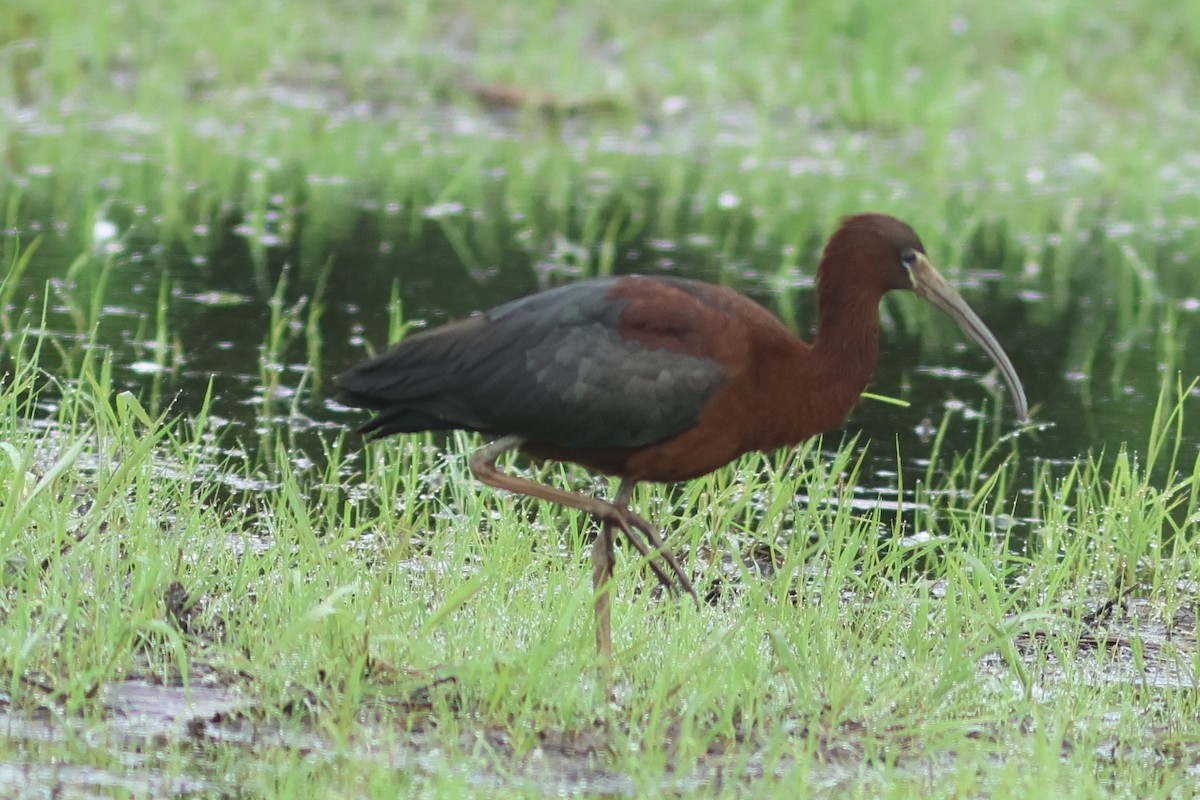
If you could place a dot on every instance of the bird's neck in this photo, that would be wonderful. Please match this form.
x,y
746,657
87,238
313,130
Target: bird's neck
x,y
845,350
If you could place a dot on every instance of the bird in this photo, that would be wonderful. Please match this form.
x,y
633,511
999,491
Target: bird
x,y
659,379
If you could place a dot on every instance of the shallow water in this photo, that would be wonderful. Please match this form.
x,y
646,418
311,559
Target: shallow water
x,y
222,311
241,325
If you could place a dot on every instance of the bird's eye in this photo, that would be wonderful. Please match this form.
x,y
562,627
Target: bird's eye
x,y
909,257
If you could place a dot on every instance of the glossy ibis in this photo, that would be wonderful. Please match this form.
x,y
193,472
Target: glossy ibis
x,y
654,379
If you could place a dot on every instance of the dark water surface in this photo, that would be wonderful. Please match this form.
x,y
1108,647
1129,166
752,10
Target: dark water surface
x,y
227,322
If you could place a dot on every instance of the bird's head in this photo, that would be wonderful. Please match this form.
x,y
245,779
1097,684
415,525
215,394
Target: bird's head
x,y
880,253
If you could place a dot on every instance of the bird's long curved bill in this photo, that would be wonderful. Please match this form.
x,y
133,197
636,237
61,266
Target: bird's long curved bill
x,y
931,286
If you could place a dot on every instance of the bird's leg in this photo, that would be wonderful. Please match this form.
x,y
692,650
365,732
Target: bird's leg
x,y
602,570
483,466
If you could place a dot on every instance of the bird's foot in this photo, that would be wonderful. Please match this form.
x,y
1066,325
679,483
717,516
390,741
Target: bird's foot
x,y
629,522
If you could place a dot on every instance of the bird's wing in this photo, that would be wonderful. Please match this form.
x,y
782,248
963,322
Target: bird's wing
x,y
553,368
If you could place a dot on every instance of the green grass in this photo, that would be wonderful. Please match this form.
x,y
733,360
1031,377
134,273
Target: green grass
x,y
400,604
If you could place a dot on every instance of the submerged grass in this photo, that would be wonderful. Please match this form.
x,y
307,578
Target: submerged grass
x,y
406,630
